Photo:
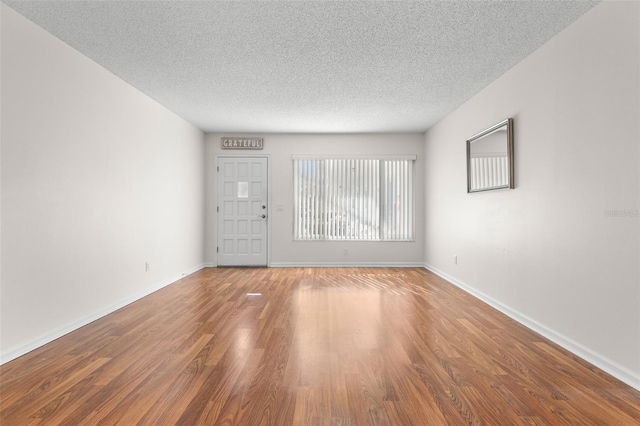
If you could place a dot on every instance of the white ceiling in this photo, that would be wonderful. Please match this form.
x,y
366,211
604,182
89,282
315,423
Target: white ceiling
x,y
306,66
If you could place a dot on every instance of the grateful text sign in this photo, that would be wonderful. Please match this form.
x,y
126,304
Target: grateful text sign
x,y
241,143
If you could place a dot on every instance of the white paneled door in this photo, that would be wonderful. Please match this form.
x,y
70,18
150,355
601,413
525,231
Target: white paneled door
x,y
242,211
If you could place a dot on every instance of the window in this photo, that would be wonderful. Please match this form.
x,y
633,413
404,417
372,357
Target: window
x,y
367,199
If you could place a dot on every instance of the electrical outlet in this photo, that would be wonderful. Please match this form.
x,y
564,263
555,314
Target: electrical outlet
x,y
147,266
346,252
455,259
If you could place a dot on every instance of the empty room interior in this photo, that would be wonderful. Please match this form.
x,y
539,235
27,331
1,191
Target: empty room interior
x,y
314,212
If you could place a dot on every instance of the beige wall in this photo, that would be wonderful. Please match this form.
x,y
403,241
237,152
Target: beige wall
x,y
285,251
548,253
97,179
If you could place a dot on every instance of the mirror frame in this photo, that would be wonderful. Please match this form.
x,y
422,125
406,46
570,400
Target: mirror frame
x,y
509,125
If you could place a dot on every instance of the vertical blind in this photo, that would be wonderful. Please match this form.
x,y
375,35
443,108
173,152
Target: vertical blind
x,y
489,171
353,199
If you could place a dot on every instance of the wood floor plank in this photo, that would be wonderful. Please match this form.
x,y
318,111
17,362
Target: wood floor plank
x,y
61,385
311,346
220,399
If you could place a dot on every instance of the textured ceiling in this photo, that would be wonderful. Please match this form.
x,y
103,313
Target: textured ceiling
x,y
306,66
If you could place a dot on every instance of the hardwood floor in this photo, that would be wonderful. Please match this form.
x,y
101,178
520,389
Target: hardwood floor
x,y
344,346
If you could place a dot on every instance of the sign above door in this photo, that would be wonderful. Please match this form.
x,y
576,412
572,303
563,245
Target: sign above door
x,y
241,143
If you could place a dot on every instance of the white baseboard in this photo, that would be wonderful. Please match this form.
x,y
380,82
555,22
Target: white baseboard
x,y
16,352
621,373
346,265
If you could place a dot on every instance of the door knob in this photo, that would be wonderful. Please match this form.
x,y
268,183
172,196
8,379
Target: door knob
x,y
263,216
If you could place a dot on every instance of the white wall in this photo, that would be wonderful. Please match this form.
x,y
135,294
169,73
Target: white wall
x,y
96,179
285,251
547,252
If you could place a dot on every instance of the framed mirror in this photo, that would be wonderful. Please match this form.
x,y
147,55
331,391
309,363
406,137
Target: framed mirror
x,y
490,158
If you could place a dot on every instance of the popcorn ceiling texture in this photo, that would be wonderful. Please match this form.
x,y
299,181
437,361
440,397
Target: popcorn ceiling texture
x,y
306,66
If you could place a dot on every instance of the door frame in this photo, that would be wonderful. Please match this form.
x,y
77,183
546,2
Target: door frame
x,y
216,205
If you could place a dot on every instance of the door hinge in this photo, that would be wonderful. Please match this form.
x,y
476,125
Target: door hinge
x,y
218,168
217,209
217,249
